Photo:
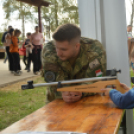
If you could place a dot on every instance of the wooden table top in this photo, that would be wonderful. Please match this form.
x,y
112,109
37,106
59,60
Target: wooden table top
x,y
94,115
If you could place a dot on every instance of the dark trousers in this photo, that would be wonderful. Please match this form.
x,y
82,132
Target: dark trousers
x,y
5,58
16,61
36,54
25,60
10,59
29,59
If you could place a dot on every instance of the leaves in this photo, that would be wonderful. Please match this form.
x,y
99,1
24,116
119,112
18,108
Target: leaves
x,y
23,11
60,12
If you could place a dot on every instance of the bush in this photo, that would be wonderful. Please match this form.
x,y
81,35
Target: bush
x,y
1,44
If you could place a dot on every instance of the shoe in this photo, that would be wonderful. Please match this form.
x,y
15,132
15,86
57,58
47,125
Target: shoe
x,y
28,70
12,72
20,71
36,73
17,73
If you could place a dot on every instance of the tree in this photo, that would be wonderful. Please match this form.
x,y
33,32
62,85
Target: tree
x,y
132,12
1,44
23,10
60,12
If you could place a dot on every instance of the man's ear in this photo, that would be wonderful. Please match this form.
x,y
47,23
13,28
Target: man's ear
x,y
77,46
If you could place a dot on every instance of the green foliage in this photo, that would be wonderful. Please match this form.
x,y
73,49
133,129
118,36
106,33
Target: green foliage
x,y
1,44
22,10
60,12
11,6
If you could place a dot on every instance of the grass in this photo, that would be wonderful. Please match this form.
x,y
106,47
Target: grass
x,y
16,104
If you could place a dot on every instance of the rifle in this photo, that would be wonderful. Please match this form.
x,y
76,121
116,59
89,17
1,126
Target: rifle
x,y
99,83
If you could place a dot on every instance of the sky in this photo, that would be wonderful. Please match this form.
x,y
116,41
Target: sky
x,y
29,27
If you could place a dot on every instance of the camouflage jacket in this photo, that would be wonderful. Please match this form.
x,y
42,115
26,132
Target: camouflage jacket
x,y
91,62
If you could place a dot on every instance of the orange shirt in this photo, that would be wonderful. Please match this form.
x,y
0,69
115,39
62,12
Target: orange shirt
x,y
14,45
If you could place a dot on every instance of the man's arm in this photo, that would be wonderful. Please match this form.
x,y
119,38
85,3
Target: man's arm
x,y
52,94
51,67
100,55
31,39
71,96
43,37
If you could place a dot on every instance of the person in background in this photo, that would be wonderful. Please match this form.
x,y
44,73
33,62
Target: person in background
x,y
3,36
129,32
6,58
29,48
24,55
14,50
3,40
37,42
123,101
7,44
132,60
130,42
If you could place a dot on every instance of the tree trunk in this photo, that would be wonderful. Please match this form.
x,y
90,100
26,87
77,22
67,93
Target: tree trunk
x,y
56,11
132,15
49,28
23,27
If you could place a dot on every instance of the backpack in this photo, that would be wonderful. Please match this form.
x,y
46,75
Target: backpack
x,y
3,37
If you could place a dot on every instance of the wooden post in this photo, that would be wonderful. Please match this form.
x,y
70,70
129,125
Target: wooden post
x,y
39,18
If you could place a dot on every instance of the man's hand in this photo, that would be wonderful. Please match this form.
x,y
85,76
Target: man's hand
x,y
71,96
107,90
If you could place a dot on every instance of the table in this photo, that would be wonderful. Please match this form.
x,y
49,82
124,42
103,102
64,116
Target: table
x,y
94,115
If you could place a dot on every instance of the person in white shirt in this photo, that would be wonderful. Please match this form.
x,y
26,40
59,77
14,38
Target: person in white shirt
x,y
7,44
129,32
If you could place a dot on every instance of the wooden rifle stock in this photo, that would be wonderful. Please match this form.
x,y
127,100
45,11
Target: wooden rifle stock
x,y
95,87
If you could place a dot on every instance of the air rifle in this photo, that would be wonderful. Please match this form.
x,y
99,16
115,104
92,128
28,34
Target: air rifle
x,y
99,83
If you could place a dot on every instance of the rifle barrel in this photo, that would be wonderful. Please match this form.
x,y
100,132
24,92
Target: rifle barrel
x,y
75,81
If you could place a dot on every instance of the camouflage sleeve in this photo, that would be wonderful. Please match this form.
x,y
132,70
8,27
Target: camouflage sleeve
x,y
101,56
51,71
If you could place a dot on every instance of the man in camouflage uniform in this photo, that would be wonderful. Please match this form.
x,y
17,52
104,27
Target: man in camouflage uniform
x,y
70,56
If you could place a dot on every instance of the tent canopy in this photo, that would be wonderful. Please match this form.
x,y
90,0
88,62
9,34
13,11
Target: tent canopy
x,y
37,3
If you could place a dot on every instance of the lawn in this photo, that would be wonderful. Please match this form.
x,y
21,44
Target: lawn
x,y
16,103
